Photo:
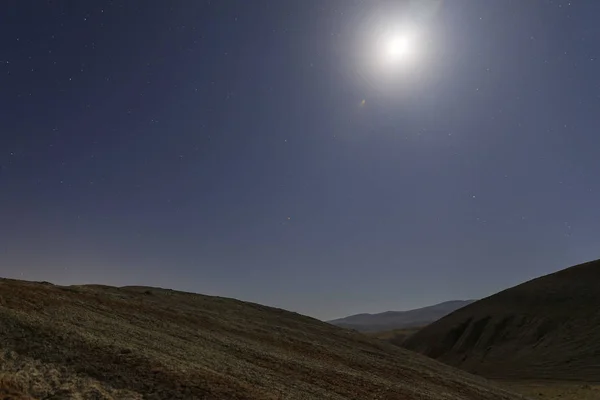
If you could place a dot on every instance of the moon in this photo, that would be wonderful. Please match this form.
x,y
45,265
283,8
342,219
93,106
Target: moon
x,y
398,48
393,49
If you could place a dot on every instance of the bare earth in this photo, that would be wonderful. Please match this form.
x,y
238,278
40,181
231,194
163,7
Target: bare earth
x,y
550,390
98,342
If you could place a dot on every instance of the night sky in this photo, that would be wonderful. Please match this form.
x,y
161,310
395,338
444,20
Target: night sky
x,y
278,152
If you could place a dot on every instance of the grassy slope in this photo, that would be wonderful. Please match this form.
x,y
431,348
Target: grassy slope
x,y
547,328
108,343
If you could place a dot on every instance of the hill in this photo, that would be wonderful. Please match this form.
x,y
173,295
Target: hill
x,y
390,320
396,336
100,342
547,328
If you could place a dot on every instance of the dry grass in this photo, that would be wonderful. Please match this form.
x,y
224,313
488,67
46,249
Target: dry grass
x,y
543,330
98,342
12,388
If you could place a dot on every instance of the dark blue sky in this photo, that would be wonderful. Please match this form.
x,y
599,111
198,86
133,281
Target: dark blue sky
x,y
224,147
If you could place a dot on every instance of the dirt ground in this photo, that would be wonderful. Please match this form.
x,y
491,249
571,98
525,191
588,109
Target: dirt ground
x,y
556,390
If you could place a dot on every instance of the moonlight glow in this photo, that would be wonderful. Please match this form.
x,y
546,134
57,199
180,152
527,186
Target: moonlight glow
x,y
398,48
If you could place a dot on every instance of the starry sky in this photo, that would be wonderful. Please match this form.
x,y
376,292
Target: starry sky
x,y
262,150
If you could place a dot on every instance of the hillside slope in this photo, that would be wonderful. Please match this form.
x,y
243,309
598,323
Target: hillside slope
x,y
390,320
396,336
547,328
101,342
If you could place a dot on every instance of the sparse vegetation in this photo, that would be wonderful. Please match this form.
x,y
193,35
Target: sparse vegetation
x,y
12,388
99,342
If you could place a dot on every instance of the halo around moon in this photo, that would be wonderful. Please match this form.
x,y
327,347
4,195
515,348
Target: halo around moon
x,y
394,46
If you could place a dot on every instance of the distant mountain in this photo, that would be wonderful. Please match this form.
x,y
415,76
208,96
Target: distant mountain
x,y
390,320
547,328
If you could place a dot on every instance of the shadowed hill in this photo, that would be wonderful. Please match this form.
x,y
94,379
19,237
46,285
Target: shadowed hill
x,y
396,336
103,342
390,320
547,328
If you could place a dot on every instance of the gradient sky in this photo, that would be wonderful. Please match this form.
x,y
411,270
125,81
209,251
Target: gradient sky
x,y
224,147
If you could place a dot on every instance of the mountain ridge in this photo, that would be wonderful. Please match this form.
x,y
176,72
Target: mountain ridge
x,y
392,320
